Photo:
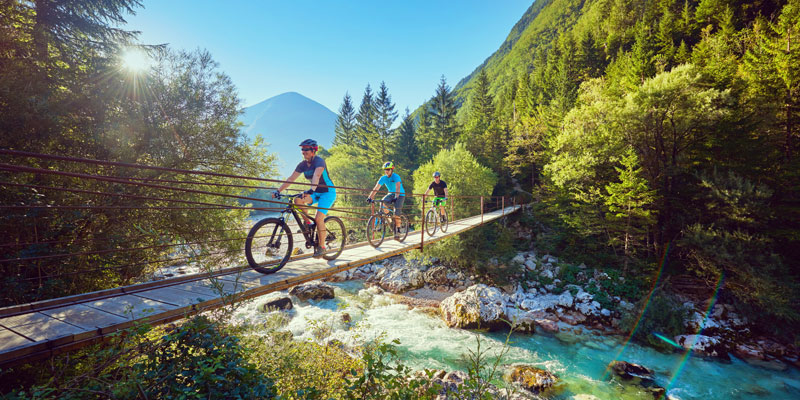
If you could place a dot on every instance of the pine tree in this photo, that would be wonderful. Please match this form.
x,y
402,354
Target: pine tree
x,y
443,116
628,202
642,66
385,115
480,120
426,139
366,122
406,154
773,66
345,123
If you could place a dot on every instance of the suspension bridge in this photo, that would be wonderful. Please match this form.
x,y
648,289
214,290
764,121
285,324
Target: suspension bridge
x,y
52,326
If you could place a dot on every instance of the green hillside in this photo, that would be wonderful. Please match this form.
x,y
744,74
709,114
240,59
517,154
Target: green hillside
x,y
641,129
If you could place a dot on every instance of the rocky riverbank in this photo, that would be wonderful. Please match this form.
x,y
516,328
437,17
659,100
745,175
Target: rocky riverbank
x,y
541,301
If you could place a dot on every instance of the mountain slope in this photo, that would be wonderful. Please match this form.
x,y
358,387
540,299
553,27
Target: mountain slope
x,y
284,121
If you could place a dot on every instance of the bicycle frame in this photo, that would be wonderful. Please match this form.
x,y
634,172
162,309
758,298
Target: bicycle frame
x,y
294,209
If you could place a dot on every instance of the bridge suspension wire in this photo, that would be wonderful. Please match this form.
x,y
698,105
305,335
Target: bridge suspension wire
x,y
177,191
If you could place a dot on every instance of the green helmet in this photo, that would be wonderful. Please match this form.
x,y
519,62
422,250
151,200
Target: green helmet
x,y
388,165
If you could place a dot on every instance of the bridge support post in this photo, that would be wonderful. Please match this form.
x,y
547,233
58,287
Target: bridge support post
x,y
481,210
422,231
503,205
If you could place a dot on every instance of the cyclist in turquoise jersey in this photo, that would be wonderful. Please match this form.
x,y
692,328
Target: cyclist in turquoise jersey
x,y
394,184
321,192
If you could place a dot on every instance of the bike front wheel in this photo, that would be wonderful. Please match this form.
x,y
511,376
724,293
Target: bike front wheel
x,y
376,230
335,238
402,232
443,221
430,222
268,245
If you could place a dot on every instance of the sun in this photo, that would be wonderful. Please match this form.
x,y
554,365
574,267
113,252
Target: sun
x,y
135,60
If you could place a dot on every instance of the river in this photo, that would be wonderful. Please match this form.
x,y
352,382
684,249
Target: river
x,y
579,360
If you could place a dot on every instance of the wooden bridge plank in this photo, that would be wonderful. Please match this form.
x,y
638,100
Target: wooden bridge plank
x,y
10,340
85,317
170,296
23,319
131,307
53,331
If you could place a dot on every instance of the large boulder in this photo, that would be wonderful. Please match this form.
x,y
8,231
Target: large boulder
x,y
630,371
312,291
703,345
532,379
479,306
547,302
399,280
276,303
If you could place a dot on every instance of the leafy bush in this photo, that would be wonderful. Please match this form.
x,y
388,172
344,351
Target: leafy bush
x,y
664,315
198,359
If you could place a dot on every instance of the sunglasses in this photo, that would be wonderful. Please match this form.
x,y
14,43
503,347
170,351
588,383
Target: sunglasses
x,y
307,149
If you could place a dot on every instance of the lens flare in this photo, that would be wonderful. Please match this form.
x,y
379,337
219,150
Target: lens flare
x,y
135,60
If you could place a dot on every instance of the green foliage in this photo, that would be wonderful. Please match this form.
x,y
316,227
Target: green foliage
x,y
442,130
663,315
182,113
345,129
198,359
755,275
464,177
384,377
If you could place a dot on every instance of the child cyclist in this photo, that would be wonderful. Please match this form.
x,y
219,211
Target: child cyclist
x,y
321,192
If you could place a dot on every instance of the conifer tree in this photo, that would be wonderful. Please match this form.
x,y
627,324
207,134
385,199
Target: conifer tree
x,y
345,123
477,135
366,122
406,151
773,67
628,201
385,115
443,117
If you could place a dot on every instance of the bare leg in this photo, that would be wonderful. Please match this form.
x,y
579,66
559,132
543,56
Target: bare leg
x,y
321,232
303,202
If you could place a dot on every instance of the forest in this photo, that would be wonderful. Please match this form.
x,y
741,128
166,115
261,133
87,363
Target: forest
x,y
654,140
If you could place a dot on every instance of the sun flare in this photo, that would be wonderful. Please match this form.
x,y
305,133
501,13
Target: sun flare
x,y
135,60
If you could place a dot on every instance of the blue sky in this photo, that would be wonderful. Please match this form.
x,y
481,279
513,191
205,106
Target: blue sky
x,y
325,48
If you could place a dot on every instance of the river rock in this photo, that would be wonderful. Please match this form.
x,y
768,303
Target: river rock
x,y
532,379
572,318
479,306
547,325
277,303
702,345
398,280
628,371
312,291
530,265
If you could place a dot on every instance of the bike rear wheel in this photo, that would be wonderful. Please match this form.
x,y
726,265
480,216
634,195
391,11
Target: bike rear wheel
x,y
430,222
376,230
335,239
443,221
268,245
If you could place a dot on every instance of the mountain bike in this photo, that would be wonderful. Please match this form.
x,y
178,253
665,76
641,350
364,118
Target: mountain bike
x,y
434,218
380,221
270,244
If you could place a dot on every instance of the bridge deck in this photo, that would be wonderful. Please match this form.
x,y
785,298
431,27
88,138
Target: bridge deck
x,y
46,328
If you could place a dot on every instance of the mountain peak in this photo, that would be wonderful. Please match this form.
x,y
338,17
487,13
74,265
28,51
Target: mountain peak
x,y
282,119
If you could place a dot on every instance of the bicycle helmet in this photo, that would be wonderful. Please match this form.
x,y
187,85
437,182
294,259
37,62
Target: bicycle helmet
x,y
309,143
435,174
388,165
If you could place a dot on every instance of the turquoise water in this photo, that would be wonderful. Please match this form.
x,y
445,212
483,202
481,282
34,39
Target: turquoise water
x,y
578,359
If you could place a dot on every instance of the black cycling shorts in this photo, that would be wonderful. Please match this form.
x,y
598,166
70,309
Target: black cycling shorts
x,y
398,204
